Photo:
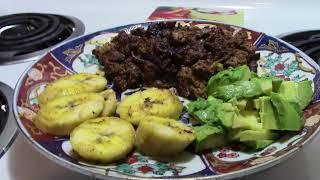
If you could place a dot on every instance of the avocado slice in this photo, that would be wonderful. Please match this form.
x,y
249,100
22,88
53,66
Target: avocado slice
x,y
238,90
233,134
259,144
206,116
240,104
276,83
199,104
212,111
255,135
265,84
298,92
247,120
250,104
267,115
228,76
289,114
226,112
209,137
244,89
256,104
204,111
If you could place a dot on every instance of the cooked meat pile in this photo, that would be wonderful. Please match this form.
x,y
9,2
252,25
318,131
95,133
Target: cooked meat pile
x,y
166,55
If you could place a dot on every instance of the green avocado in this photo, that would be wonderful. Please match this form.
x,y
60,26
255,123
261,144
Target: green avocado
x,y
240,89
233,135
288,113
247,120
240,104
212,100
255,86
298,92
212,111
265,84
259,144
228,76
254,138
244,89
227,113
255,135
206,116
244,108
267,115
250,105
204,111
256,104
276,83
253,75
209,137
199,104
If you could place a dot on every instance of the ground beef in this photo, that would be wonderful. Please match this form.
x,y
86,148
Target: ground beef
x,y
168,55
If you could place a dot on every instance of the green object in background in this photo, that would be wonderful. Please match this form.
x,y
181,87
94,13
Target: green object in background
x,y
230,16
235,17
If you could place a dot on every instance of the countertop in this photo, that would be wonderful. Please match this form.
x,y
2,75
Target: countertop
x,y
23,162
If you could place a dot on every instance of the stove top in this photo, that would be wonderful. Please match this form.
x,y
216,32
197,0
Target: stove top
x,y
3,111
24,37
8,128
307,41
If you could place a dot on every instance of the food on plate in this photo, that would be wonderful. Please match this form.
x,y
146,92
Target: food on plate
x,y
167,55
299,92
241,73
211,64
110,104
248,109
61,115
152,101
158,136
209,137
72,84
240,83
255,139
105,139
212,111
288,114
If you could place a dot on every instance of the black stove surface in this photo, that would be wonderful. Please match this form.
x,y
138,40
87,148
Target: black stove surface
x,y
3,111
306,41
24,36
8,128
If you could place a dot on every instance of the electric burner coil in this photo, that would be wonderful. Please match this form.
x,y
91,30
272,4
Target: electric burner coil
x,y
306,41
23,37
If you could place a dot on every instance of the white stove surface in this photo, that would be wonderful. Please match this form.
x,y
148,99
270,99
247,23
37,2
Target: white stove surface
x,y
23,162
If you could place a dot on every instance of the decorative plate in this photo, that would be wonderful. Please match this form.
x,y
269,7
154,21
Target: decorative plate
x,y
277,58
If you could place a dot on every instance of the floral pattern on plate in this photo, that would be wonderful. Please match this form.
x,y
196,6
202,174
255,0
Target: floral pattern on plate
x,y
139,165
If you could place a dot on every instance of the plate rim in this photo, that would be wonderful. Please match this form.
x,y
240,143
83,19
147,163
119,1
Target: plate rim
x,y
86,171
